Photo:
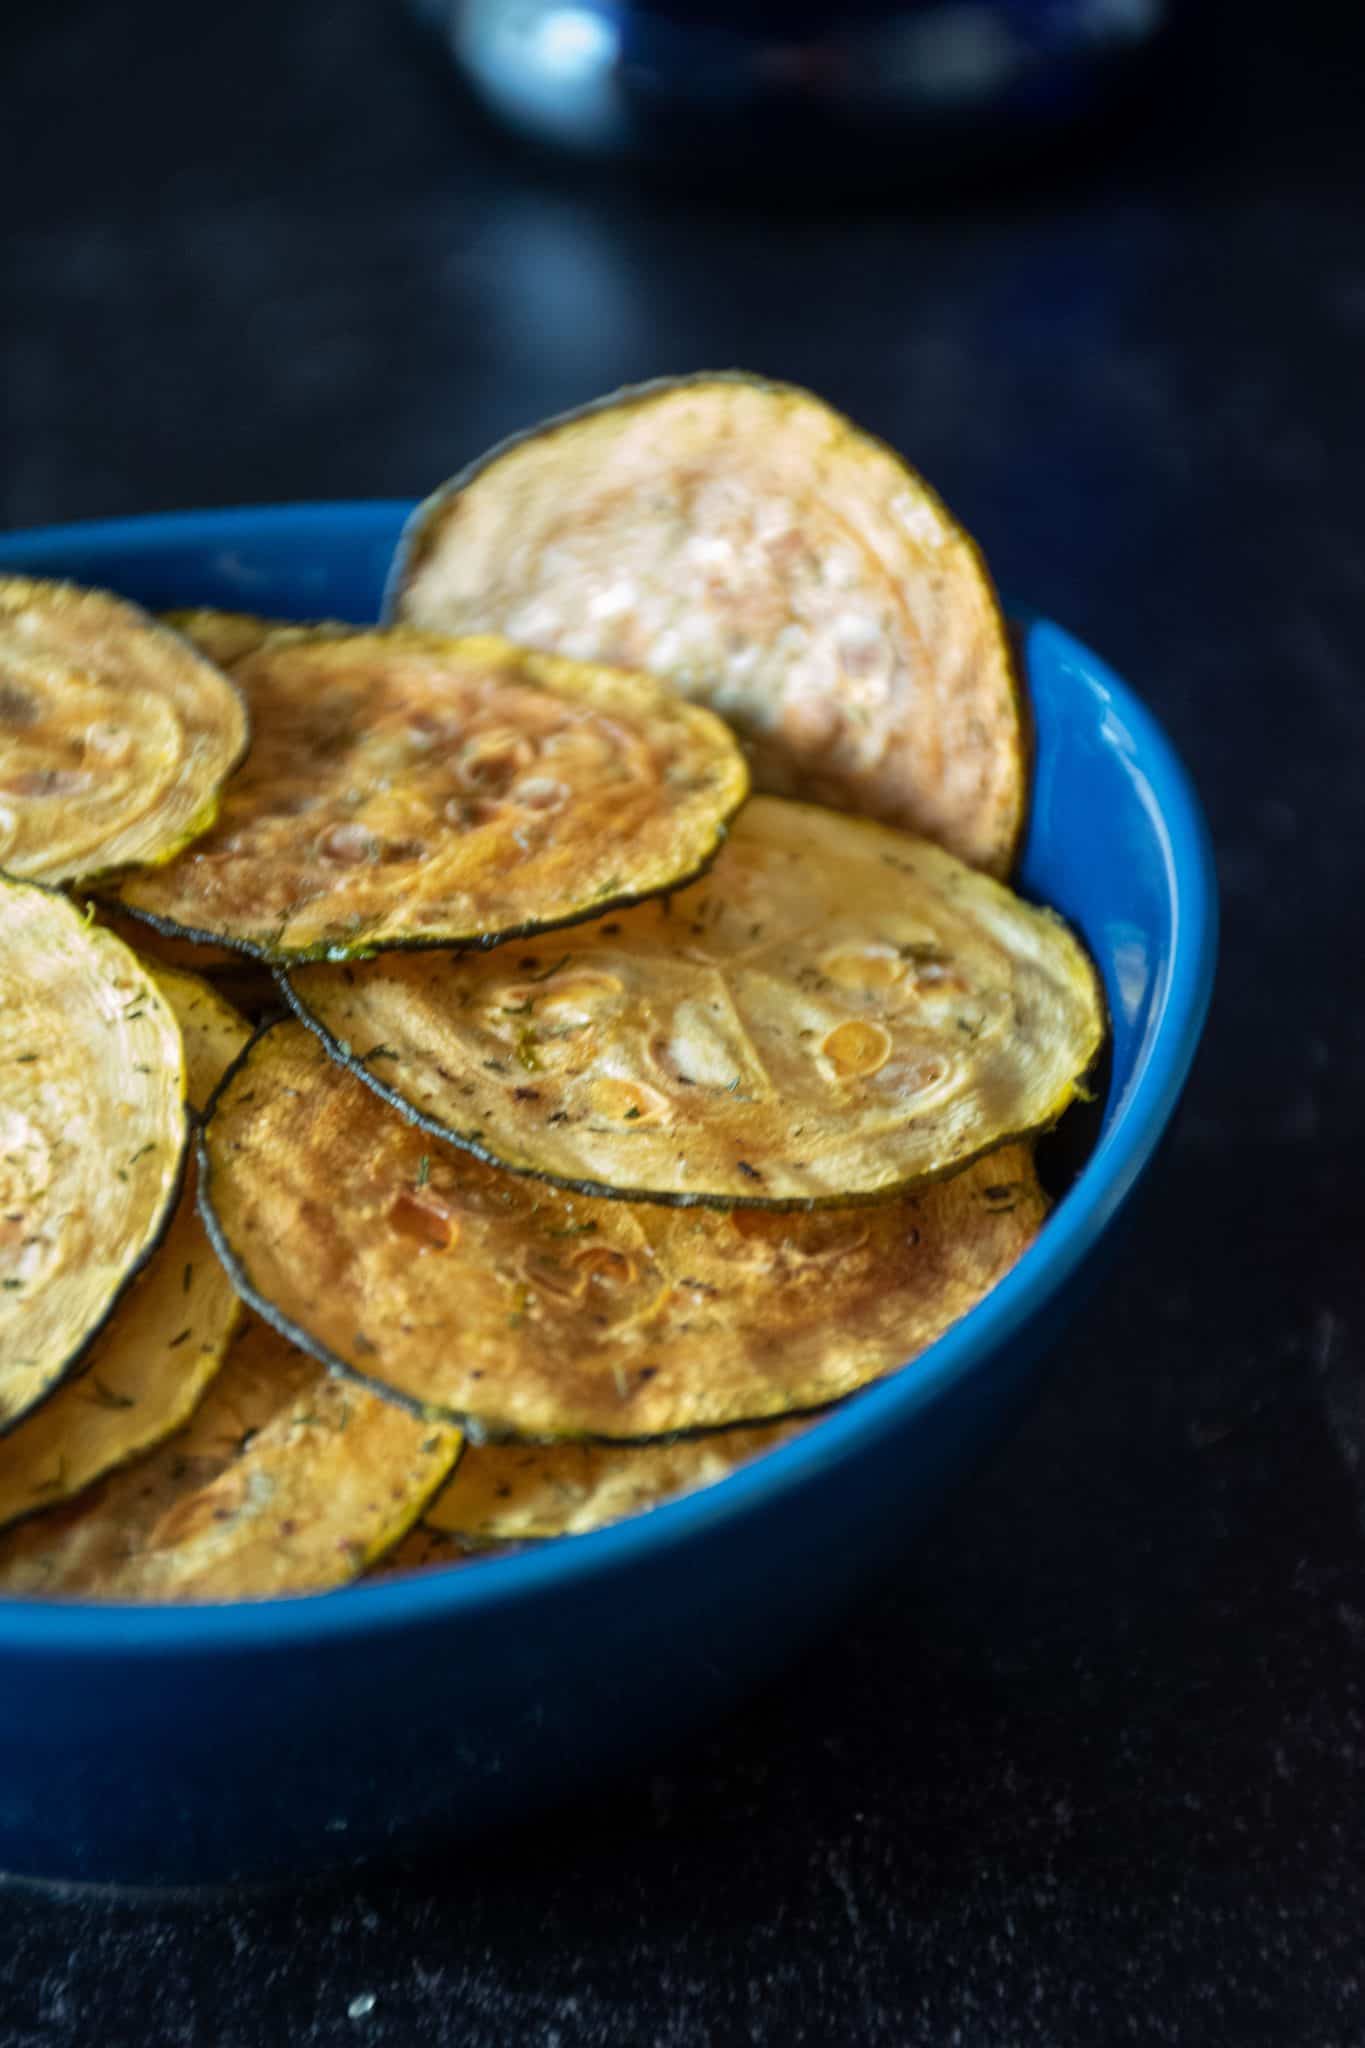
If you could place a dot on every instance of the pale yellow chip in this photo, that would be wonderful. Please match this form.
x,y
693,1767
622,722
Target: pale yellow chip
x,y
247,986
286,1481
744,540
149,1366
524,1493
525,1311
115,735
92,1134
835,1013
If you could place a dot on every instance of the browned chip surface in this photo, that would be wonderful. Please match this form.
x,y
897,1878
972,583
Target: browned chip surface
x,y
528,1311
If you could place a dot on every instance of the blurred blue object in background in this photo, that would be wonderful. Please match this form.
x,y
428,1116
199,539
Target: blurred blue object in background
x,y
803,92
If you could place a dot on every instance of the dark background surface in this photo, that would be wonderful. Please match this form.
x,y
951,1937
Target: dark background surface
x,y
1091,1767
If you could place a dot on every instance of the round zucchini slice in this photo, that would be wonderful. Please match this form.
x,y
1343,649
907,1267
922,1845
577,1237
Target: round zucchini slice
x,y
836,1012
286,1481
406,790
92,1134
229,637
528,1493
506,1495
161,949
115,735
212,1031
423,1549
149,1366
771,560
523,1311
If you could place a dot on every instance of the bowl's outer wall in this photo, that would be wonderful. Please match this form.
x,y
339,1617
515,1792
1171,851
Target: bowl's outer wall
x,y
145,1753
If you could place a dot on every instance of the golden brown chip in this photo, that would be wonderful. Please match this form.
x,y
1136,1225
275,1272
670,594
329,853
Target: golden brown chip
x,y
526,1311
149,1366
837,1011
92,1134
286,1481
771,560
406,790
115,736
505,1495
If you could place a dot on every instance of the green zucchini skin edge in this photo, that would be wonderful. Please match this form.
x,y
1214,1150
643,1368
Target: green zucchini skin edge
x,y
413,541
175,1189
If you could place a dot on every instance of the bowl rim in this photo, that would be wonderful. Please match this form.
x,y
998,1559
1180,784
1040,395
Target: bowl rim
x,y
1126,1144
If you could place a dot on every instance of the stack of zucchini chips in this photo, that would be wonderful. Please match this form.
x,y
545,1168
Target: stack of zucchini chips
x,y
441,1108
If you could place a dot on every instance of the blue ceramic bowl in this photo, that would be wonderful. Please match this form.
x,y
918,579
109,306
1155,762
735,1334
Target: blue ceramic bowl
x,y
205,1744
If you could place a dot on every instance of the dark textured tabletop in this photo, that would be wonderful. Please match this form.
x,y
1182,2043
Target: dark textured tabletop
x,y
1091,1769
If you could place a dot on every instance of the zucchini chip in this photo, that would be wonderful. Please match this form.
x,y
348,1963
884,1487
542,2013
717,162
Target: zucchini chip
x,y
115,735
286,1481
526,1493
405,790
771,560
152,1361
505,1495
520,1310
835,1013
92,1134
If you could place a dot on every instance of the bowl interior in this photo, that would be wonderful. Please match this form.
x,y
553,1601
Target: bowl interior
x,y
1116,843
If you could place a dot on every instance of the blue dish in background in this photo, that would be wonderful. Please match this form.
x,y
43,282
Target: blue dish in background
x,y
205,1744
